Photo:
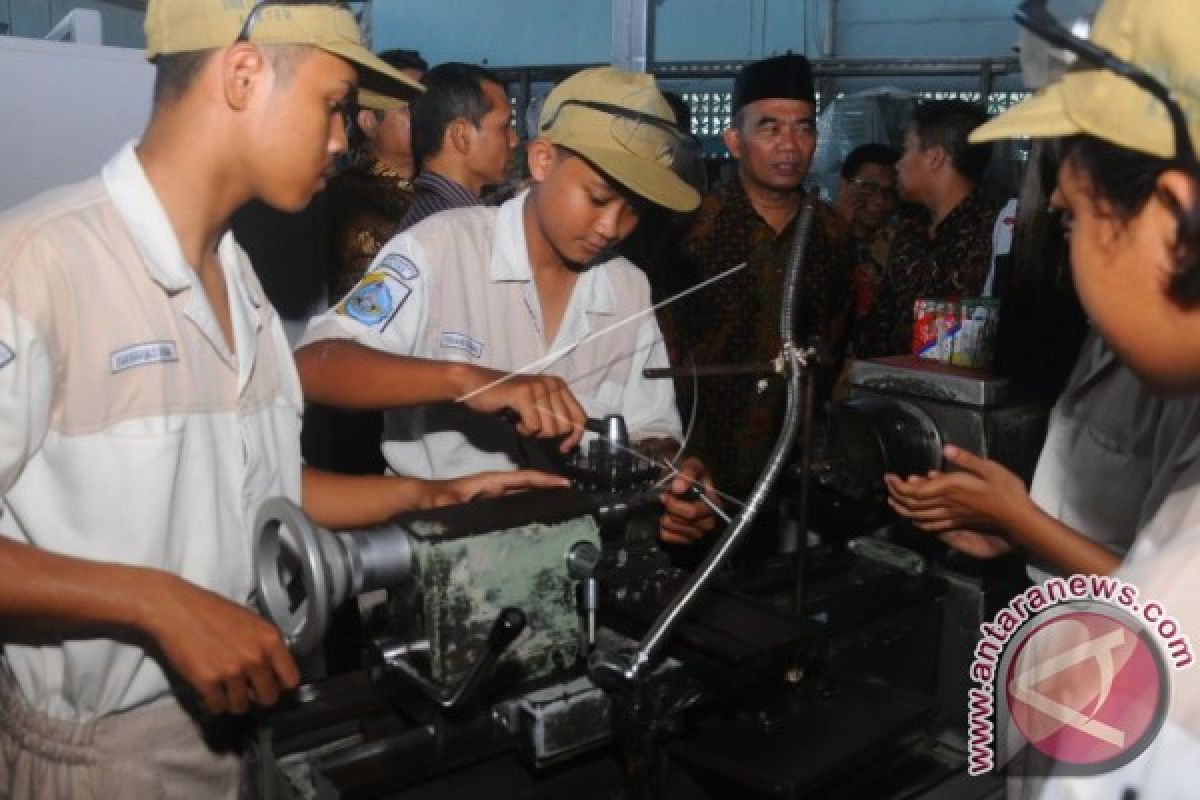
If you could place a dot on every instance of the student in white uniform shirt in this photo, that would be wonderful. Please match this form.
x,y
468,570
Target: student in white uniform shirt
x,y
523,307
1129,187
149,404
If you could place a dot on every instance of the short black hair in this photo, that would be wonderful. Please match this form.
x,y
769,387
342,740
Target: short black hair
x,y
946,124
452,91
174,73
883,154
404,59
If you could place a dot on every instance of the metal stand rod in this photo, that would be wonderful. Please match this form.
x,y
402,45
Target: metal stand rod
x,y
806,438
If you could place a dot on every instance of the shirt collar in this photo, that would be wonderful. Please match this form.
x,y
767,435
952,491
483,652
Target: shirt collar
x,y
510,255
1095,359
739,201
152,232
510,259
139,207
453,191
967,209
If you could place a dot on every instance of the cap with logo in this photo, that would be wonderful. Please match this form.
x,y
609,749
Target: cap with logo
x,y
621,123
184,26
1160,37
787,77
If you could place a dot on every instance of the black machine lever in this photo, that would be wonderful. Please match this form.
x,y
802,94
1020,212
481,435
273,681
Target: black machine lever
x,y
508,626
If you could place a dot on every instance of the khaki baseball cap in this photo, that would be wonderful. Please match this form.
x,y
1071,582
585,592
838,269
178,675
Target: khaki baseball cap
x,y
184,26
634,150
1163,38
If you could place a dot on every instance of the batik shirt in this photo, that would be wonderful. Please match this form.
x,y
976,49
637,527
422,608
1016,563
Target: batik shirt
x,y
953,262
367,202
736,321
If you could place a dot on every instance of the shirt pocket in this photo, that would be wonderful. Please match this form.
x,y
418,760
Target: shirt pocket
x,y
1112,440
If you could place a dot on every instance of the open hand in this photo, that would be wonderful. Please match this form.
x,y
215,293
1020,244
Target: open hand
x,y
491,484
981,495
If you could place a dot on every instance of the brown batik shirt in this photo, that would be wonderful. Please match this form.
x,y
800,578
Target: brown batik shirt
x,y
954,262
736,321
368,201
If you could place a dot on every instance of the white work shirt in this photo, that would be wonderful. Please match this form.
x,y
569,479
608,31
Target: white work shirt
x,y
459,287
1113,452
1139,459
1167,769
129,432
1164,565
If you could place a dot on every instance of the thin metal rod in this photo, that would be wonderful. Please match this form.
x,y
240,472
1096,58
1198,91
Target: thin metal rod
x,y
764,369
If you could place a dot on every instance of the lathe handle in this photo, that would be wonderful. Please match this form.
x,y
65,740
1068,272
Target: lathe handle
x,y
504,631
302,572
298,602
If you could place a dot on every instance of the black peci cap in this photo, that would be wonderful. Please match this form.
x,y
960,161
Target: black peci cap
x,y
789,77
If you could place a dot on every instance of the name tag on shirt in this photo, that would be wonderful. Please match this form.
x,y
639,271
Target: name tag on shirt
x,y
141,355
405,269
460,341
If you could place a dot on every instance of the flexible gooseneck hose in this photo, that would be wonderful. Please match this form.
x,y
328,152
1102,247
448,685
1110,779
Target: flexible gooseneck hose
x,y
631,667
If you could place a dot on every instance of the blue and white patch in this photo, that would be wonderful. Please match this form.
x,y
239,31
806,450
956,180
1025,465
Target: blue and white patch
x,y
376,299
404,269
7,356
460,341
141,355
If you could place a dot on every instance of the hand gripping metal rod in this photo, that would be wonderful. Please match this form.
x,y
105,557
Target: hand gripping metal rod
x,y
611,667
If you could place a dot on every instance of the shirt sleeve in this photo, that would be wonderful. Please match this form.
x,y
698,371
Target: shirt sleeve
x,y
648,405
388,309
26,386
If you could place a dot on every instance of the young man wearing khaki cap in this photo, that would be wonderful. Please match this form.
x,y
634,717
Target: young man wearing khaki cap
x,y
522,307
149,404
1127,117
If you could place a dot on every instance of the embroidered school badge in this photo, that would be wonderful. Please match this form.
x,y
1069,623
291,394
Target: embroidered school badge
x,y
376,299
